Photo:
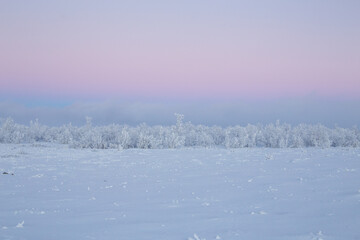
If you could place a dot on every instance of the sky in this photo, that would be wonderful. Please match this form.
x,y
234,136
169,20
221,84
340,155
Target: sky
x,y
218,62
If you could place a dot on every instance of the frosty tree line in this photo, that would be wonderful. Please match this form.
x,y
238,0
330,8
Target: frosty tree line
x,y
182,134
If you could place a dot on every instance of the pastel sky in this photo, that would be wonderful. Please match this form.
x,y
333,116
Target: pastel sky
x,y
87,50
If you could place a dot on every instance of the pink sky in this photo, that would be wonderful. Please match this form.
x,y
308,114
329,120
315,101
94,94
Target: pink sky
x,y
184,50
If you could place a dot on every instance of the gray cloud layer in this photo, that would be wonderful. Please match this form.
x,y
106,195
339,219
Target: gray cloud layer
x,y
344,113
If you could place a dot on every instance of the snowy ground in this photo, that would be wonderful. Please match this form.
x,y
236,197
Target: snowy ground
x,y
61,193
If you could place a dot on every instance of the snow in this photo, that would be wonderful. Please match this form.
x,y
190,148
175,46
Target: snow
x,y
55,192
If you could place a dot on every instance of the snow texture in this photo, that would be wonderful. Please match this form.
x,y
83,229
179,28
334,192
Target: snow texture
x,y
54,192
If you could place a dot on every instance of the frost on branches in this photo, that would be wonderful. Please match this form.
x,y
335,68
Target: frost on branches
x,y
182,134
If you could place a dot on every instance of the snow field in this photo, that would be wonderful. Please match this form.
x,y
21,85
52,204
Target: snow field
x,y
58,192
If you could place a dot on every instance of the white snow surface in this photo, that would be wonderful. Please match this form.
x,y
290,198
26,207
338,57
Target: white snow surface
x,y
56,192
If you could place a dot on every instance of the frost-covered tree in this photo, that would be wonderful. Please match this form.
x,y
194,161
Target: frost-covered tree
x,y
12,132
180,135
235,137
317,136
